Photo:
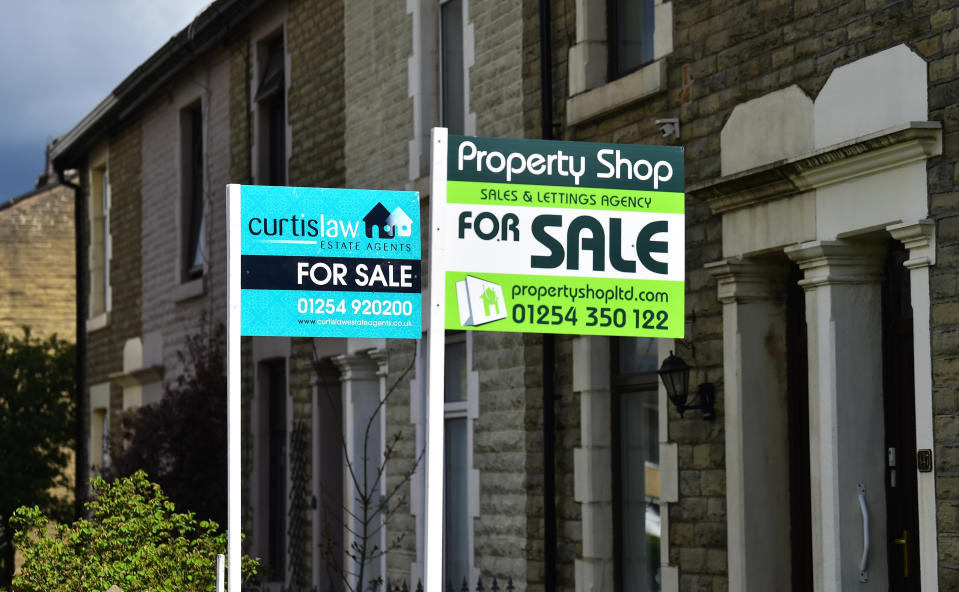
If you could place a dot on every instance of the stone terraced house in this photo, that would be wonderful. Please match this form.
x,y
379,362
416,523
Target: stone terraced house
x,y
822,303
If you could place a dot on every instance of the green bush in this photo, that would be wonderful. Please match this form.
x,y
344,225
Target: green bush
x,y
133,539
36,431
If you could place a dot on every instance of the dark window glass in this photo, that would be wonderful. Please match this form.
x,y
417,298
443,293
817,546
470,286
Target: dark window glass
x,y
275,390
193,216
630,32
271,102
636,490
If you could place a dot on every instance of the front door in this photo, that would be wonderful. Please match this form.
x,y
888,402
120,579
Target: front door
x,y
900,426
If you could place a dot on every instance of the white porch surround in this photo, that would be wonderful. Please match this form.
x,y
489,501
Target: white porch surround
x,y
361,374
830,207
843,285
757,452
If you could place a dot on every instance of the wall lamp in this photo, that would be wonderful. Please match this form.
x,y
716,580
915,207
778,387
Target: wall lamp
x,y
675,376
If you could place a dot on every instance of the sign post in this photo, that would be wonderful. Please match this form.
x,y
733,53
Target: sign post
x,y
547,237
308,262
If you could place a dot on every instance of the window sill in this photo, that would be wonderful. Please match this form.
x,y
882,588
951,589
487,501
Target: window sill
x,y
98,322
189,290
646,81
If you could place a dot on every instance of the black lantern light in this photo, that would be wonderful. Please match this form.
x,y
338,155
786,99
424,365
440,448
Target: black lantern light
x,y
675,376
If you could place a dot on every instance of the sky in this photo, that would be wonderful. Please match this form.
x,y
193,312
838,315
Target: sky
x,y
59,59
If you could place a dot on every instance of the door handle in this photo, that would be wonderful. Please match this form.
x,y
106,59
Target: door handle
x,y
904,541
863,574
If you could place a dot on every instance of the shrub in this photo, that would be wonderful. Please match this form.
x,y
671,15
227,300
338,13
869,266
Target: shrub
x,y
134,539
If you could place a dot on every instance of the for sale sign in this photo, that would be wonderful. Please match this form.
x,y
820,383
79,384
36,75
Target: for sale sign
x,y
329,262
564,237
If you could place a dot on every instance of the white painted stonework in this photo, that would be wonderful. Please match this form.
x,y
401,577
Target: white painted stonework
x,y
828,199
876,92
767,129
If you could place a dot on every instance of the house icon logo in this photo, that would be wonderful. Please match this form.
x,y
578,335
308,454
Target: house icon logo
x,y
382,223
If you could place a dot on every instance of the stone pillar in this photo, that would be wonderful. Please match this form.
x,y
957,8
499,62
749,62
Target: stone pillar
x,y
592,463
360,377
842,282
757,447
919,239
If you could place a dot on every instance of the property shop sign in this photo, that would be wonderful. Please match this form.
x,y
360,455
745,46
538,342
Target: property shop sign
x,y
564,237
329,262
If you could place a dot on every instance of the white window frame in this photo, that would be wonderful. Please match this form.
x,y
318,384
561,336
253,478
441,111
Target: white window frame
x,y
262,34
99,414
454,409
99,202
591,92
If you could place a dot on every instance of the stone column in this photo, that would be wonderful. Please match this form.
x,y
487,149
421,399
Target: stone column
x,y
592,463
843,289
757,447
360,377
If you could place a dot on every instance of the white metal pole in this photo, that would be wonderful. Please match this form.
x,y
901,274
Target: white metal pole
x,y
437,343
233,417
220,559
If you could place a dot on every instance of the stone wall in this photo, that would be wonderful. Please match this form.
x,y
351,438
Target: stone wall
x,y
38,268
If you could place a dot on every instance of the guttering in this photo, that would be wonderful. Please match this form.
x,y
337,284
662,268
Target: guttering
x,y
549,340
81,457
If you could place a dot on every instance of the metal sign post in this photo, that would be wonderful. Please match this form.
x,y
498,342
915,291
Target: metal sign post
x,y
437,342
233,417
313,262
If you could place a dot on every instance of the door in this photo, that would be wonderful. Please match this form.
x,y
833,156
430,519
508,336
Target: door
x,y
900,425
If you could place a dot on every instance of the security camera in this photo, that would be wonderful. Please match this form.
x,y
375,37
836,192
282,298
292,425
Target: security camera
x,y
669,127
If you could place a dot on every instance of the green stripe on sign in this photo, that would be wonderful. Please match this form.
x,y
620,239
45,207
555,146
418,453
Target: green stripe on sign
x,y
546,196
567,305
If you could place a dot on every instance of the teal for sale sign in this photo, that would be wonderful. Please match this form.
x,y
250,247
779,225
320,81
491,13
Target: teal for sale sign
x,y
564,237
329,262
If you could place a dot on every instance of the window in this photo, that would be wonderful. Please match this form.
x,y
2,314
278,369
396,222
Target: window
x,y
636,483
452,80
457,555
617,57
630,26
192,214
273,385
270,102
99,241
99,443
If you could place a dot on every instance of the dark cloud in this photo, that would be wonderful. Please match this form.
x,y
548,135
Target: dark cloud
x,y
59,59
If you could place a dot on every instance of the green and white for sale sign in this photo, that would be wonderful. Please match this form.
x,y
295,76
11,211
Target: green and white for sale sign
x,y
564,237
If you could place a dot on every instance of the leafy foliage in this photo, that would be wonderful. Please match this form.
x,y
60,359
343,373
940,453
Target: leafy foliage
x,y
36,429
133,539
181,440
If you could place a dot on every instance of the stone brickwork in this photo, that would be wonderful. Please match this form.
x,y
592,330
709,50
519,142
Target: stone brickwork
x,y
315,99
240,125
38,268
402,367
379,111
496,78
507,451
